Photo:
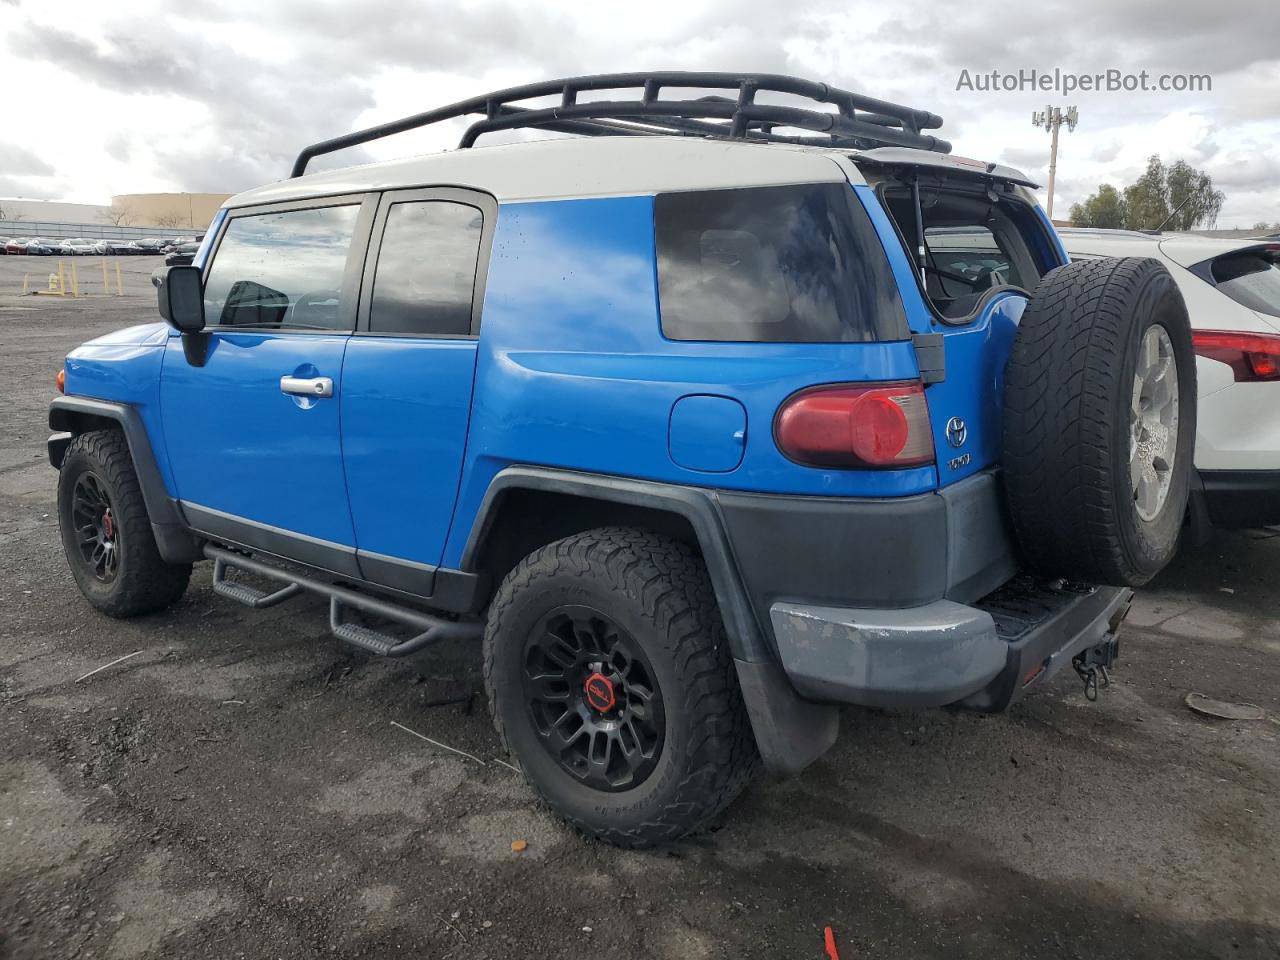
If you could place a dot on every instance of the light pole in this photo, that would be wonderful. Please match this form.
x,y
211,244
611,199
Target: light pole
x,y
1051,118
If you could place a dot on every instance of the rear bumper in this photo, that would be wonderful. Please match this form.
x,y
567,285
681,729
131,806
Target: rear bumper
x,y
1241,498
984,656
881,554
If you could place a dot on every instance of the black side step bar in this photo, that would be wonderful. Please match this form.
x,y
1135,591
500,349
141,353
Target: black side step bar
x,y
433,628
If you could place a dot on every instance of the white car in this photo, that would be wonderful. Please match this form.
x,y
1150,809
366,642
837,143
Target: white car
x,y
1232,290
77,247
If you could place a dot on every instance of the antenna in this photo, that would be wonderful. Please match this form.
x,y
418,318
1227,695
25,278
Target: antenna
x,y
1051,118
1172,215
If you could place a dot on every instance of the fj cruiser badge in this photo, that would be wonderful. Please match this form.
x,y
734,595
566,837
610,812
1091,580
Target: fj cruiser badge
x,y
957,432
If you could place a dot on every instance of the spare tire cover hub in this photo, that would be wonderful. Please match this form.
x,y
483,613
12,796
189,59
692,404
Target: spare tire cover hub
x,y
1153,421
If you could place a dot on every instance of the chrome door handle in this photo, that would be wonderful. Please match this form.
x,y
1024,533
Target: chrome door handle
x,y
307,386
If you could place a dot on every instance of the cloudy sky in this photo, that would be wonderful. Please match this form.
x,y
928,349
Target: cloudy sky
x,y
121,97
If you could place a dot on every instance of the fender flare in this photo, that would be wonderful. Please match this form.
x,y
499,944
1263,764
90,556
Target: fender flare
x,y
71,416
790,732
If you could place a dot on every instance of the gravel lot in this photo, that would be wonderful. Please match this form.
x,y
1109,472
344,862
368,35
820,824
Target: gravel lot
x,y
237,788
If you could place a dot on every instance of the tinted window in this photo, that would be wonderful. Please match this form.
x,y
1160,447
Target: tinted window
x,y
1251,279
426,269
282,270
799,263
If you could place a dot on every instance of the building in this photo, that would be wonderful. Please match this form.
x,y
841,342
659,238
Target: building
x,y
52,210
183,211
128,216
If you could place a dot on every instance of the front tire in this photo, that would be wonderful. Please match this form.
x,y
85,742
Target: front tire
x,y
106,533
609,678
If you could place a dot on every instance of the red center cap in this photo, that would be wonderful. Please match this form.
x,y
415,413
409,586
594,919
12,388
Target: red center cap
x,y
599,692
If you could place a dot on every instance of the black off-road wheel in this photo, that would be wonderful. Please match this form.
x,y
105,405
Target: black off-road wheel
x,y
106,533
1100,422
610,680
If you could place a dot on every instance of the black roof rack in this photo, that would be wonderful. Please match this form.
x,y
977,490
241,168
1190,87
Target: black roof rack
x,y
858,122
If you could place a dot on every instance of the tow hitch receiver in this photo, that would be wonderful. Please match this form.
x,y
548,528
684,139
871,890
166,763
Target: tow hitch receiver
x,y
1093,665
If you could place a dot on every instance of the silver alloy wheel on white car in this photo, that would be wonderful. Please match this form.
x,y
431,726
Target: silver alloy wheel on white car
x,y
1153,422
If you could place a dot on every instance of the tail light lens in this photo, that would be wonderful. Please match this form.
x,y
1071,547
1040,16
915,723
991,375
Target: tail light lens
x,y
1252,356
61,381
867,425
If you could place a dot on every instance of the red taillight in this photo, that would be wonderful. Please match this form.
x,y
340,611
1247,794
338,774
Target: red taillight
x,y
1252,356
875,425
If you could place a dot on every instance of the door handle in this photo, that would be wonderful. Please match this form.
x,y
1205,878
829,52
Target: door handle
x,y
307,386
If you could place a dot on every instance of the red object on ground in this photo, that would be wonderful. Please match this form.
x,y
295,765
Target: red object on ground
x,y
829,941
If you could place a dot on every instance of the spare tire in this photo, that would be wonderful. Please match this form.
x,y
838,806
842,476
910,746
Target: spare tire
x,y
1100,422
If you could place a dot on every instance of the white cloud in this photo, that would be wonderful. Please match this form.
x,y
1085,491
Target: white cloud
x,y
153,95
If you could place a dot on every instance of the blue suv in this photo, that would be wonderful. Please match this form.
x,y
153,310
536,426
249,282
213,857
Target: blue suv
x,y
706,415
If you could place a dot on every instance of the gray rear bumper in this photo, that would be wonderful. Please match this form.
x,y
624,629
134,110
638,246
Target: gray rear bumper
x,y
984,655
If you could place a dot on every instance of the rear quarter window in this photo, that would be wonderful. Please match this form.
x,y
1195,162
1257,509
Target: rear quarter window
x,y
773,264
1251,279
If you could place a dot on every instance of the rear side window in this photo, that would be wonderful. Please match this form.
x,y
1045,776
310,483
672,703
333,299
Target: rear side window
x,y
1251,279
282,270
773,264
426,271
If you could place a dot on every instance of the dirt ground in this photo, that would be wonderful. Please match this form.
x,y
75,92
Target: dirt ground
x,y
237,789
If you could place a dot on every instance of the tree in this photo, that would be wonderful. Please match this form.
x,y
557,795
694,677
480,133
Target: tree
x,y
170,219
1190,193
1175,197
1104,209
120,214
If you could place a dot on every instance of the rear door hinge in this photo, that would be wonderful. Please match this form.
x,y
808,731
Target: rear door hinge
x,y
931,356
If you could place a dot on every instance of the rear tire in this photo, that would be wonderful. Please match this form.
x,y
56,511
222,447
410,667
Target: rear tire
x,y
1100,422
106,533
621,628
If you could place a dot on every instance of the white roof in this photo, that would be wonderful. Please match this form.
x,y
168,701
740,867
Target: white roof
x,y
1189,248
579,167
948,162
1184,249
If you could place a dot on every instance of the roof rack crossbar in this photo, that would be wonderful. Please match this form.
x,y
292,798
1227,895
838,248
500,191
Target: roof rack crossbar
x,y
813,120
857,119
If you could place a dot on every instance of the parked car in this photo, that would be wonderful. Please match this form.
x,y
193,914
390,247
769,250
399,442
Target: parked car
x,y
16,246
4,243
1232,290
38,246
181,254
76,247
150,245
687,431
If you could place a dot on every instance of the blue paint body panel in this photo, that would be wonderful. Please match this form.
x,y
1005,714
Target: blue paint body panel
x,y
238,445
206,244
707,433
571,370
124,367
976,352
405,405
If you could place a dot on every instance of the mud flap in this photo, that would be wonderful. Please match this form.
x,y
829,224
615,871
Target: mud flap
x,y
790,732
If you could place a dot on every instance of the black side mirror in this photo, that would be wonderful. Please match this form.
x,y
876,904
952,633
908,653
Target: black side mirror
x,y
181,299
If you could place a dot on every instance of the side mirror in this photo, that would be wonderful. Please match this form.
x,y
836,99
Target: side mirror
x,y
181,299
